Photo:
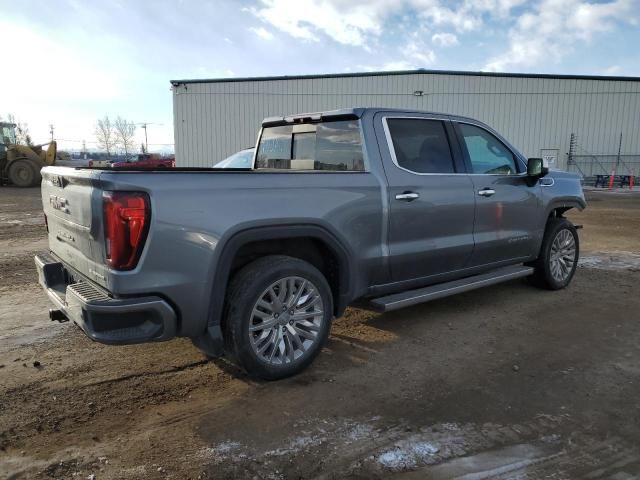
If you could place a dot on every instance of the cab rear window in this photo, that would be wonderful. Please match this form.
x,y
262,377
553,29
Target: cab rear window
x,y
333,146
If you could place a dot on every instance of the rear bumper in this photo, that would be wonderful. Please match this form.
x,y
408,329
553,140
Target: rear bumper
x,y
114,321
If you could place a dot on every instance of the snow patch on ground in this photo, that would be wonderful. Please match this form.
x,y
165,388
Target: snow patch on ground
x,y
360,431
396,460
408,454
296,445
611,261
223,452
345,431
21,218
373,445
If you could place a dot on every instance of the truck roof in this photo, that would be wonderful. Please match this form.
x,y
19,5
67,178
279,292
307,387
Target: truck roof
x,y
346,114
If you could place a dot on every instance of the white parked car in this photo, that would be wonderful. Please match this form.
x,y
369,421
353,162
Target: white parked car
x,y
241,159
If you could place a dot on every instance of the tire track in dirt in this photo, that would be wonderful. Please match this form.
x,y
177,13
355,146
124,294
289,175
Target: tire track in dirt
x,y
547,446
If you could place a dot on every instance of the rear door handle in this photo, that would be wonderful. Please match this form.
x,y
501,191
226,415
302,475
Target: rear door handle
x,y
407,196
486,192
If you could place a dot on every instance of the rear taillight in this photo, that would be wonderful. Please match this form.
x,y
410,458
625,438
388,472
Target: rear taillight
x,y
126,223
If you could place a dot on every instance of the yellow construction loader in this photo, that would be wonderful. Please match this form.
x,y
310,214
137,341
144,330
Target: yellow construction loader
x,y
20,164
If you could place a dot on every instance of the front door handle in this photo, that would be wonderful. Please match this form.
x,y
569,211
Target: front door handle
x,y
486,192
407,196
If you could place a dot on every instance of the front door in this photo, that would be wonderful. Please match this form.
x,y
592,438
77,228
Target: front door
x,y
431,199
507,206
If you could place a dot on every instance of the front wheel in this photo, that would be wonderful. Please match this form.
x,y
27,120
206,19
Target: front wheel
x,y
278,316
559,254
24,173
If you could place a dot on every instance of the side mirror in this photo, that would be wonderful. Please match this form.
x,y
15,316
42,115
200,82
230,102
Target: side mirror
x,y
536,168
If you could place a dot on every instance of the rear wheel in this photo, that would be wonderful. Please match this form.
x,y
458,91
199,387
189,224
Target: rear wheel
x,y
559,254
24,173
278,316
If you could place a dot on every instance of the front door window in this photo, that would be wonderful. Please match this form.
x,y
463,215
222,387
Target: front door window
x,y
487,154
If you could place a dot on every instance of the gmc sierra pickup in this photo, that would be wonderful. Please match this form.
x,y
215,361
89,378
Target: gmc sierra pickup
x,y
372,207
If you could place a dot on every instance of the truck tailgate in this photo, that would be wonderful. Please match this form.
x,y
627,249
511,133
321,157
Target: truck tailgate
x,y
72,204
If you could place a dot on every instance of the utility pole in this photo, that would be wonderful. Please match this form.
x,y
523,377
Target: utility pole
x,y
619,150
146,143
51,130
144,126
84,150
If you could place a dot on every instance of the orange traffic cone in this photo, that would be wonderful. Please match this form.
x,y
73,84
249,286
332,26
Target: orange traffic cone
x,y
611,178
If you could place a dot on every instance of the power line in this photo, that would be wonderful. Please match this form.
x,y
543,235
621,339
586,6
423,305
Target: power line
x,y
95,143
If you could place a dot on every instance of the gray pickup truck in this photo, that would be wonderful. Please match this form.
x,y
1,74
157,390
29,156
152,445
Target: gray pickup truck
x,y
371,207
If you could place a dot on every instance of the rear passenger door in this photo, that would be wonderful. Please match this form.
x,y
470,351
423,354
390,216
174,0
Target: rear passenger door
x,y
431,199
507,206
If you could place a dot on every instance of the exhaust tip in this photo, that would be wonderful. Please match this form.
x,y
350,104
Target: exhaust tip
x,y
57,316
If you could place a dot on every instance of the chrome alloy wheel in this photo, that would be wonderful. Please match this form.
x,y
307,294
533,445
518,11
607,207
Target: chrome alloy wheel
x,y
563,255
286,320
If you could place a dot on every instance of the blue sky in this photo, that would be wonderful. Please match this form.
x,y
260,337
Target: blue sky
x,y
75,61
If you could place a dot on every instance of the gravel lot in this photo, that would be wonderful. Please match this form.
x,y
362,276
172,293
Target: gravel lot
x,y
504,382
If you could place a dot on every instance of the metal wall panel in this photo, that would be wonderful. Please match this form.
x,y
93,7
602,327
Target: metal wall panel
x,y
215,119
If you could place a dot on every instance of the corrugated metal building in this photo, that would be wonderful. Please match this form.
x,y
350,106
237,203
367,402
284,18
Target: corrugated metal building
x,y
537,113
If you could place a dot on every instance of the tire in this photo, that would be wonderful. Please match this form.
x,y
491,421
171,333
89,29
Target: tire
x,y
24,173
558,259
261,334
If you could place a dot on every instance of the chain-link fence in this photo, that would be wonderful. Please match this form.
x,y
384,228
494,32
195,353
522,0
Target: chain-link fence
x,y
592,165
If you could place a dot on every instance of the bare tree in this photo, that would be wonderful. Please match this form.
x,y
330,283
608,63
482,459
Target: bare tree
x,y
105,135
125,133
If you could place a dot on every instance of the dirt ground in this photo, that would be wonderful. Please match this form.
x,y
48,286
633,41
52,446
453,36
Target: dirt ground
x,y
504,382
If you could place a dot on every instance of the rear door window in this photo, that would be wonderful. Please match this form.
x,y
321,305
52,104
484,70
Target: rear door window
x,y
329,146
420,145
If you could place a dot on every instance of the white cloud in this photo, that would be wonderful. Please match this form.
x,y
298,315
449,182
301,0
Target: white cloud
x,y
391,66
461,19
357,22
444,39
346,21
466,16
418,53
395,65
550,32
591,18
413,55
262,32
612,70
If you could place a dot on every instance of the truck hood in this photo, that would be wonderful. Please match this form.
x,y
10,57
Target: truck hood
x,y
556,173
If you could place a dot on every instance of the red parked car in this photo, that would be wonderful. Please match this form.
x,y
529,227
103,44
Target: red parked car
x,y
146,161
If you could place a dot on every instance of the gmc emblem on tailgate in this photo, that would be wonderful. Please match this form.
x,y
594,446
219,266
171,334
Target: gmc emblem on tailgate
x,y
58,203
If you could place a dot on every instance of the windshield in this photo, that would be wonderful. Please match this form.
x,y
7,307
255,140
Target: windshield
x,y
7,135
241,159
318,146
